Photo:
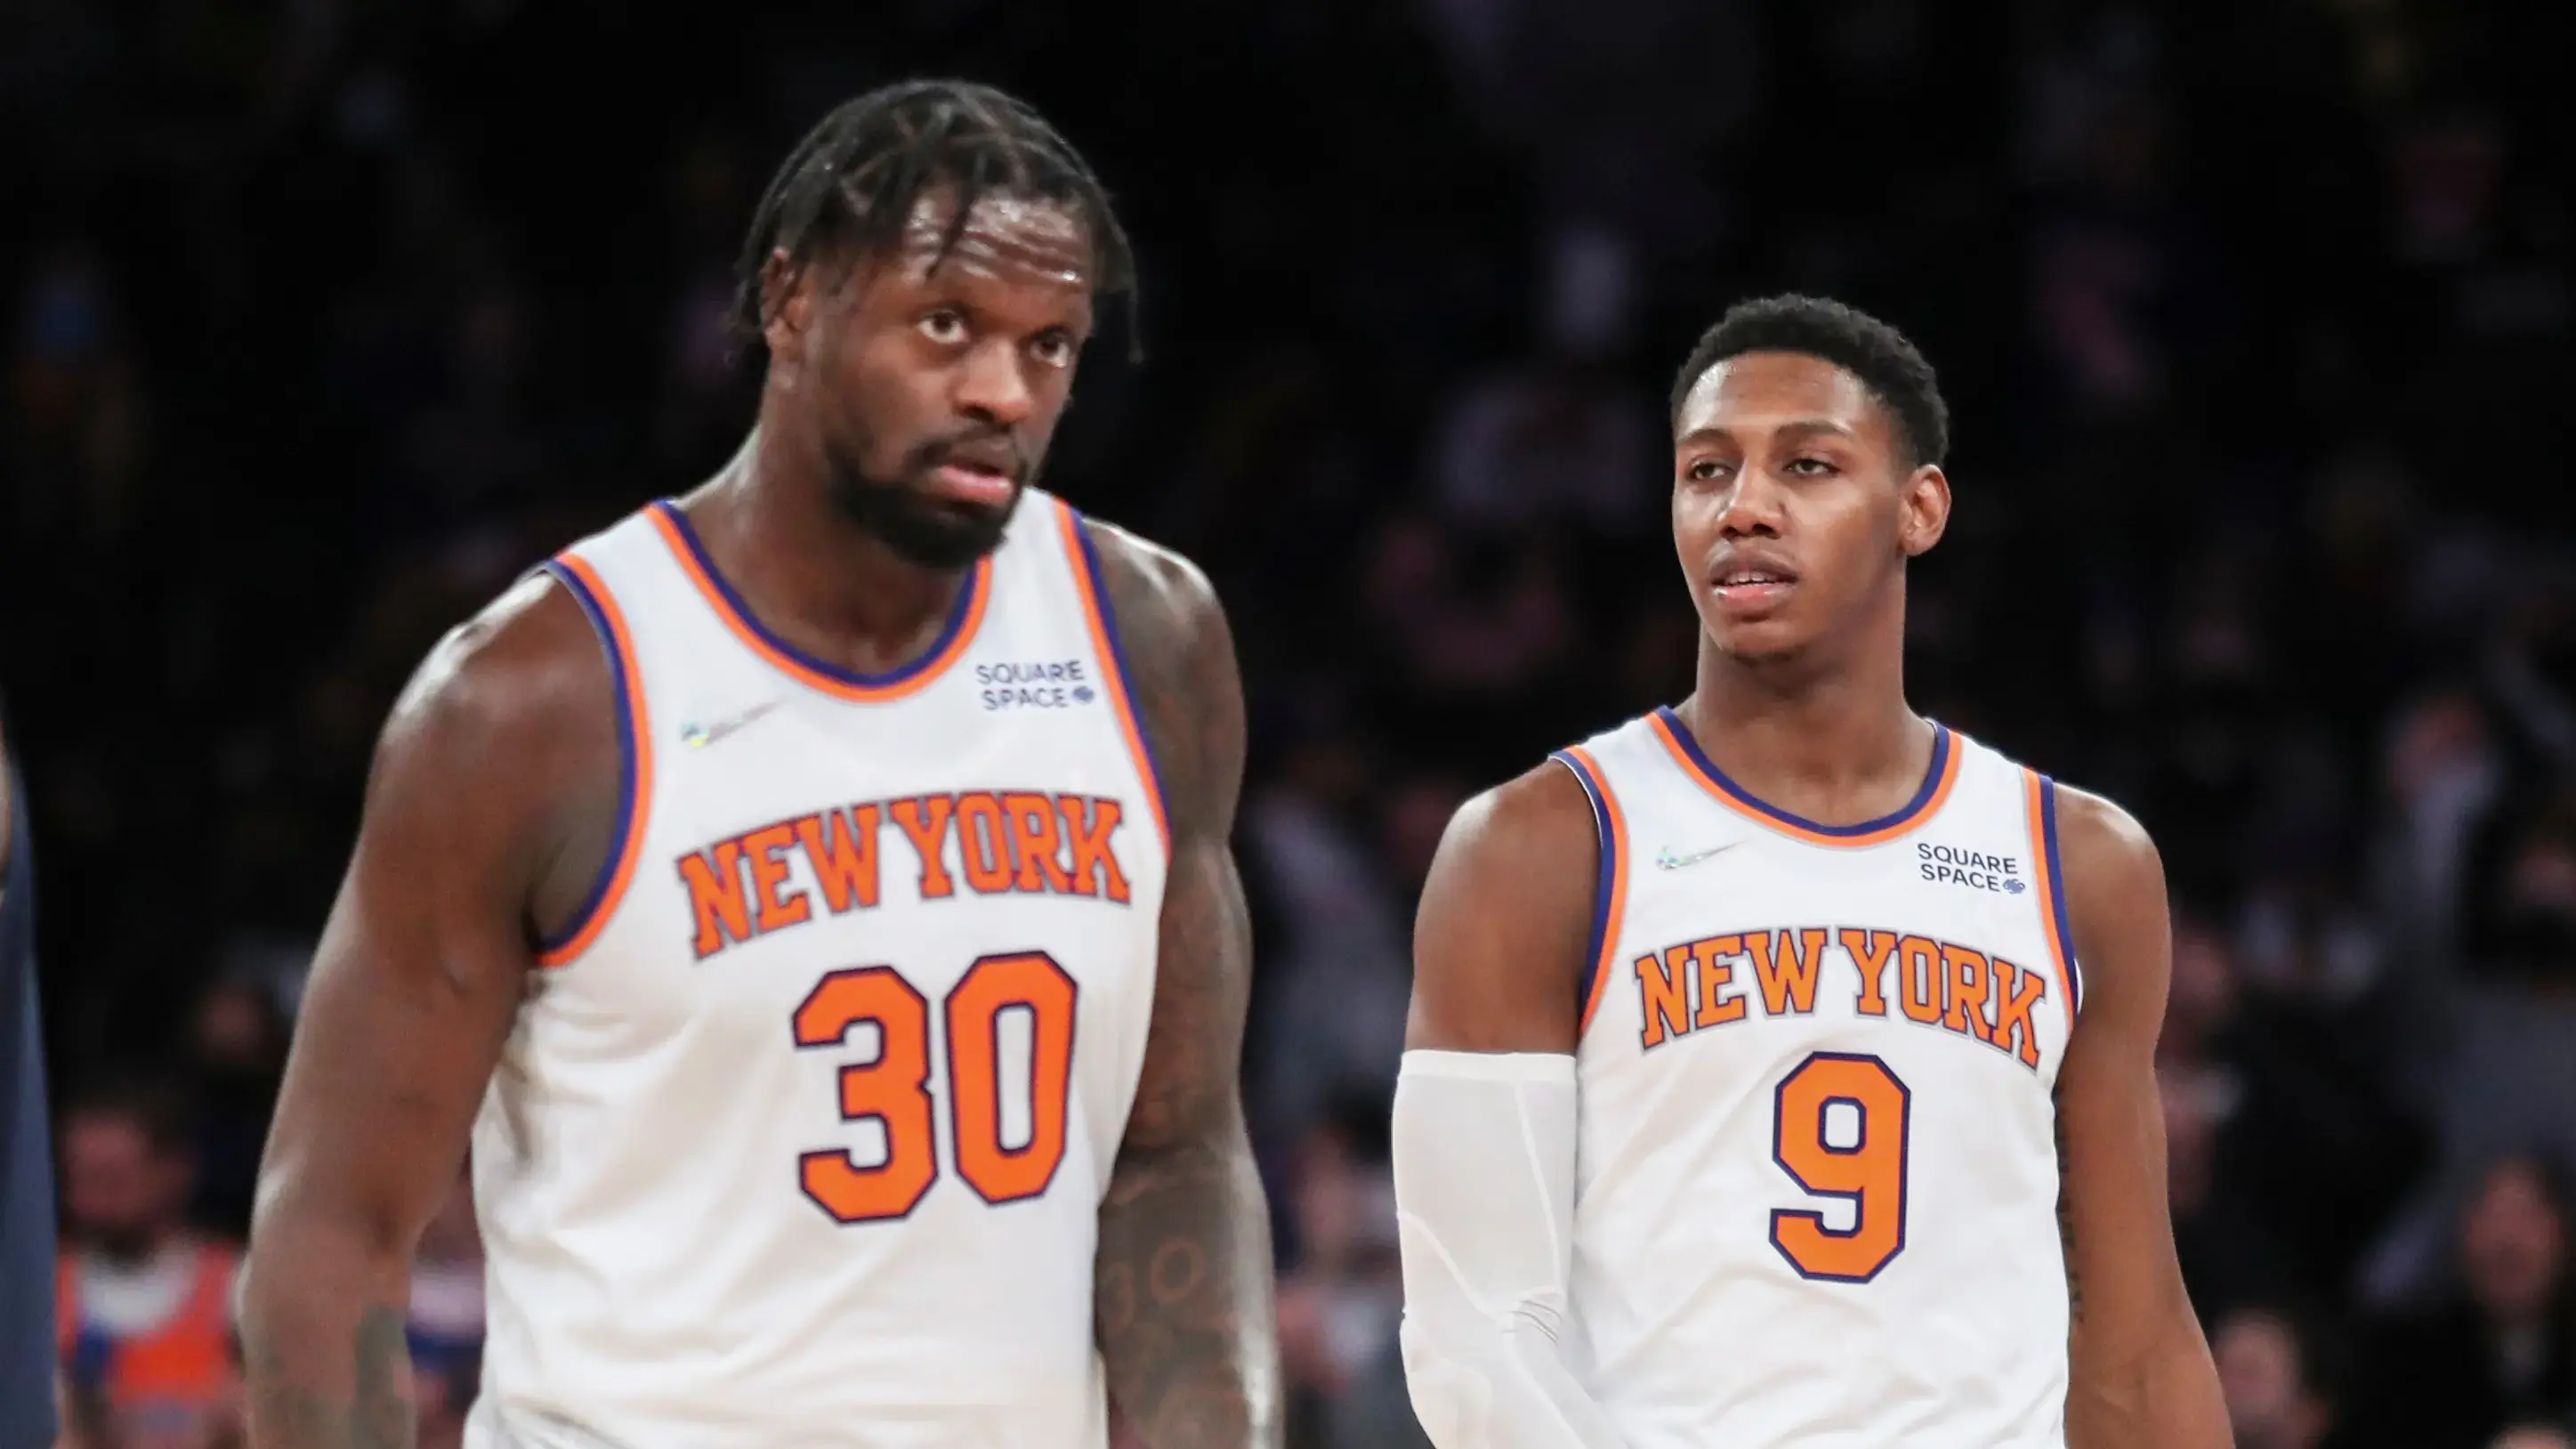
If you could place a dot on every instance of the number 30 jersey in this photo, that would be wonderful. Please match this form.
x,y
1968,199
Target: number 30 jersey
x,y
1816,1182
802,1132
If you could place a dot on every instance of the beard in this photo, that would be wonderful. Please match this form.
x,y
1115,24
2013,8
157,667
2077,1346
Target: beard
x,y
127,1244
921,527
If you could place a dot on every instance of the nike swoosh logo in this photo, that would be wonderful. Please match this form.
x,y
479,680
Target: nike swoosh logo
x,y
698,737
1670,859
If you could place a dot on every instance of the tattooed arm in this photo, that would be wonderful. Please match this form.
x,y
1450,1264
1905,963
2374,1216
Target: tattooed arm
x,y
2140,1371
1185,1320
505,735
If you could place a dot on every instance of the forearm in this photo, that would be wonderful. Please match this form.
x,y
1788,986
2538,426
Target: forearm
x,y
1187,1328
2163,1394
1484,1188
325,1361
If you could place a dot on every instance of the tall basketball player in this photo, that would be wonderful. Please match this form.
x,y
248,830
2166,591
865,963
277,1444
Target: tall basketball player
x,y
27,1387
814,896
1745,1036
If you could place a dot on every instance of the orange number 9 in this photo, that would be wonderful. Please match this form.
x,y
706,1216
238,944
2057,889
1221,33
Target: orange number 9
x,y
1870,1173
893,1089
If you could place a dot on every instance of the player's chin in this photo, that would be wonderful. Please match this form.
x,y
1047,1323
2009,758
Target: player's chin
x,y
1772,636
944,533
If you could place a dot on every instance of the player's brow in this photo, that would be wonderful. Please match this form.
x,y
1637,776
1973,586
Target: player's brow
x,y
1802,428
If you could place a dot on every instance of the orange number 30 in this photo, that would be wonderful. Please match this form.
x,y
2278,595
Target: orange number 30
x,y
894,1089
1869,1172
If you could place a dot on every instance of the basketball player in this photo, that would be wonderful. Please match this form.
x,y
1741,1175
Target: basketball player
x,y
814,895
1745,1035
27,1363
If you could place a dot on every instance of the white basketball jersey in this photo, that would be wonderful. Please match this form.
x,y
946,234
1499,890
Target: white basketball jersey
x,y
801,1135
1816,1185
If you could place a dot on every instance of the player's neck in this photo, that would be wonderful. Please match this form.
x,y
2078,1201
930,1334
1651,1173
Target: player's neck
x,y
810,573
1832,739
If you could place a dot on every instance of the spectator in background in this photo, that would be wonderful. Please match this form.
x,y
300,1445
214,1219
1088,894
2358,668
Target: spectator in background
x,y
2277,1375
445,1327
1339,1307
145,1305
1566,436
237,1045
2501,1349
2533,1436
2229,1250
2506,1082
1334,975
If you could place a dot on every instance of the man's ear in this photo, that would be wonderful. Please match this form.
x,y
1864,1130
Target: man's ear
x,y
1927,510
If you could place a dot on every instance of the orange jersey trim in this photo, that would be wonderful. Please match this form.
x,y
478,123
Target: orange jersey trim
x,y
1611,905
2038,797
1925,804
1103,623
636,734
900,683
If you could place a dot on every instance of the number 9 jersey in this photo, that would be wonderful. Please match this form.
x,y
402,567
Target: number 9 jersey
x,y
801,1134
1816,1178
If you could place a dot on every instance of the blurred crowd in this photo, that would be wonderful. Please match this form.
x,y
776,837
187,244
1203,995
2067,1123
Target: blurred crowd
x,y
324,319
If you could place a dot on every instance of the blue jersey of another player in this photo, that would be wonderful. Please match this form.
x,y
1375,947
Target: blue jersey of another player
x,y
26,1165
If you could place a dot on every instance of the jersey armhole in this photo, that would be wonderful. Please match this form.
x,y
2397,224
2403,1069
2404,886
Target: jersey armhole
x,y
1083,557
2040,797
634,762
1610,884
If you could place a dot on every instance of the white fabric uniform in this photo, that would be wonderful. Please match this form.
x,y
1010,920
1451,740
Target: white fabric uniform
x,y
784,1154
1820,1212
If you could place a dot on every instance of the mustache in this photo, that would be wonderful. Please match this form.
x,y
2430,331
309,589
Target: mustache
x,y
929,454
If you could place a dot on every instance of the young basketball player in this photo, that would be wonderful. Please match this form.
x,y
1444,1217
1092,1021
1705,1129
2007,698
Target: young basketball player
x,y
814,895
1745,1036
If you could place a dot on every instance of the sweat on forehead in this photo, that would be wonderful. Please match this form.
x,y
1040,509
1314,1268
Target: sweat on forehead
x,y
1038,233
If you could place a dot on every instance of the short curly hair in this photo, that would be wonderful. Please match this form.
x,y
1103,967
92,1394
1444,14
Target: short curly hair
x,y
1880,356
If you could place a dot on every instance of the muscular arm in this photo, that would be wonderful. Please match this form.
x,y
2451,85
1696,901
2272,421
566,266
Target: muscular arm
x,y
1186,1326
1484,1127
414,985
2141,1373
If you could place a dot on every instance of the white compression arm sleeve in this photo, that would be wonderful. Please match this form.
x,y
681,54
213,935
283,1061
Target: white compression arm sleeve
x,y
1484,1200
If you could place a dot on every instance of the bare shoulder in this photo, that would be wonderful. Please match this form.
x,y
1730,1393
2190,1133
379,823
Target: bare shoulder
x,y
1157,587
504,747
521,672
1499,943
2115,901
2110,861
1178,654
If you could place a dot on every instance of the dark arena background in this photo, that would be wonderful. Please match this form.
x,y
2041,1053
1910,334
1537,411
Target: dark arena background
x,y
326,318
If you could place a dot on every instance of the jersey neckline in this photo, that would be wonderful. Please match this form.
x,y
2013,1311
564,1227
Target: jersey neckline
x,y
1937,780
963,618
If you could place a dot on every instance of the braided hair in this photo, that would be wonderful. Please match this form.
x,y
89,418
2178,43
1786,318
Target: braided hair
x,y
855,179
